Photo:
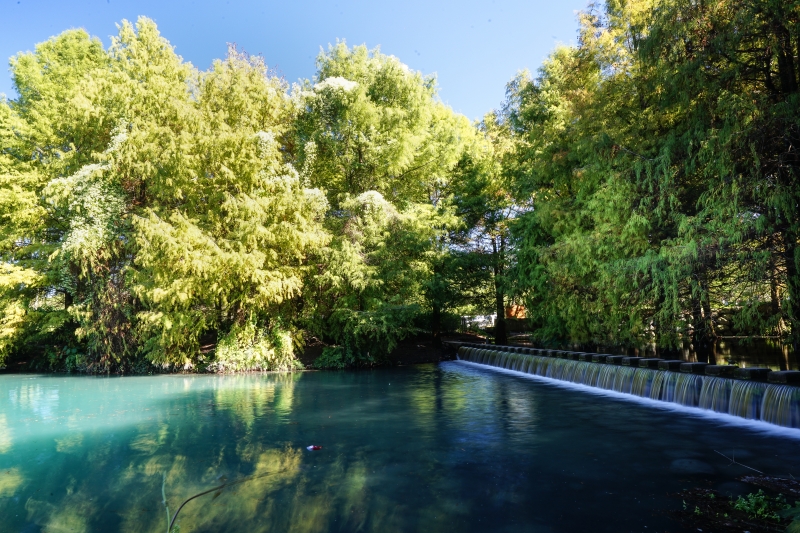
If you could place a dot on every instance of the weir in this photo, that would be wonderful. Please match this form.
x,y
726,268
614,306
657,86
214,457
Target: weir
x,y
775,403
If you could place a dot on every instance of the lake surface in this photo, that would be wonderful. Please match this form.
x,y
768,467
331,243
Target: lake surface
x,y
454,447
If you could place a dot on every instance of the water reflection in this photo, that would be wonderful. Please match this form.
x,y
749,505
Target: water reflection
x,y
431,448
38,399
745,352
5,435
10,481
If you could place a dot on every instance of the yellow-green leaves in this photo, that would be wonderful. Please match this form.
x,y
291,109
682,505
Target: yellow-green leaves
x,y
151,210
223,236
371,134
158,209
368,122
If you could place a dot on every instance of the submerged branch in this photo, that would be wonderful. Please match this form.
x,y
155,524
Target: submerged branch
x,y
735,462
218,489
164,499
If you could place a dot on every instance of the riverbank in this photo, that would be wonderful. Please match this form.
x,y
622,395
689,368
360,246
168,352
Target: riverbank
x,y
419,349
415,350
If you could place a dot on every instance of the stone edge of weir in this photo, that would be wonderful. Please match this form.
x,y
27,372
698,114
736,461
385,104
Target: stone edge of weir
x,y
749,393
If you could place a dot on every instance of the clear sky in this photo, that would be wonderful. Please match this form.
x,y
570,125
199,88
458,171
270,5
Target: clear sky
x,y
474,46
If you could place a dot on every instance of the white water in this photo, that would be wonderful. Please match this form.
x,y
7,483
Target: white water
x,y
762,407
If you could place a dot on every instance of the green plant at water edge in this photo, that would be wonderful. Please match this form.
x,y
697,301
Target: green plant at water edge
x,y
249,348
759,505
792,513
73,359
340,357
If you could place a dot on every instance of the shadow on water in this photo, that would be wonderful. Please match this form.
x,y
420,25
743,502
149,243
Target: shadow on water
x,y
746,352
429,448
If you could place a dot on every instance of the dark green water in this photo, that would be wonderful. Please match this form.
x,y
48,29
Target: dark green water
x,y
430,448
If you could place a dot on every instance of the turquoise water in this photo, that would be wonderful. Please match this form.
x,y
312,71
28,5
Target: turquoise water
x,y
452,447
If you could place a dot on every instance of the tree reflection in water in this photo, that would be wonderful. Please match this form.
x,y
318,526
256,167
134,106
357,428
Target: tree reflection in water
x,y
430,448
98,458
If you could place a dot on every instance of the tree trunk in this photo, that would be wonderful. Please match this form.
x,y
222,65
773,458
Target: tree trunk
x,y
500,336
709,333
657,326
775,308
697,325
436,324
792,285
704,336
436,294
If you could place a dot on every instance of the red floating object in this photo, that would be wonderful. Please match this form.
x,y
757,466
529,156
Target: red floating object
x,y
313,447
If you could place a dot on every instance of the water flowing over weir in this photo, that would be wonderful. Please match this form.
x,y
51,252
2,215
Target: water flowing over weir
x,y
769,402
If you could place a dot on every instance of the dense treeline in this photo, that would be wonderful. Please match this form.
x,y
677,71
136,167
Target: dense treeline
x,y
659,167
640,190
156,214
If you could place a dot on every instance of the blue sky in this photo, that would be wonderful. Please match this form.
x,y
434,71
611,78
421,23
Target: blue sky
x,y
474,47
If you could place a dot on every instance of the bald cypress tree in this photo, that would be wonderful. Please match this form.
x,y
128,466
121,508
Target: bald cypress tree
x,y
660,156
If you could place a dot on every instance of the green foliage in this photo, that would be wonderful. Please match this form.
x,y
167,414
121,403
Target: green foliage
x,y
154,212
44,136
246,348
371,134
340,357
792,513
658,176
368,122
759,505
639,190
225,224
159,209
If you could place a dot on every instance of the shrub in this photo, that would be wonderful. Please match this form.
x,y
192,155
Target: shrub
x,y
247,348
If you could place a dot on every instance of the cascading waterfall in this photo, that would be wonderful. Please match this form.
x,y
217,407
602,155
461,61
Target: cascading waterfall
x,y
769,402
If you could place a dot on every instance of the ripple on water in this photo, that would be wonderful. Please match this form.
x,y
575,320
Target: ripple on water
x,y
691,467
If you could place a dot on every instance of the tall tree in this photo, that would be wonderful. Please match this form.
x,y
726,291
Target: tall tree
x,y
659,159
735,71
45,136
222,224
484,202
371,133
